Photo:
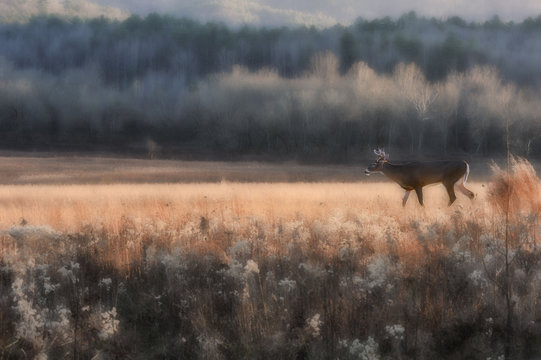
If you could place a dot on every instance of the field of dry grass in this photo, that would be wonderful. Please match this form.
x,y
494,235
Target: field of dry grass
x,y
69,207
217,270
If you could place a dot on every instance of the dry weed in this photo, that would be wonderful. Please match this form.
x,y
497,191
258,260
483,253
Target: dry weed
x,y
521,184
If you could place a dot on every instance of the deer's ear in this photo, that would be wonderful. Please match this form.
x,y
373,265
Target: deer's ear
x,y
386,157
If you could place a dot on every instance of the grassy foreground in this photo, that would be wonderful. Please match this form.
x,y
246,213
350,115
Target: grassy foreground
x,y
269,270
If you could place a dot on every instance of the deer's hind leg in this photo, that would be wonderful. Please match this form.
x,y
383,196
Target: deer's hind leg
x,y
460,184
460,187
451,191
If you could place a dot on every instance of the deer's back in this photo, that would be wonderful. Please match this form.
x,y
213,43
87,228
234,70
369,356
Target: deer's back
x,y
421,173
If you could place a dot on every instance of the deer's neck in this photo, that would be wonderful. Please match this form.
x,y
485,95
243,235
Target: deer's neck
x,y
393,172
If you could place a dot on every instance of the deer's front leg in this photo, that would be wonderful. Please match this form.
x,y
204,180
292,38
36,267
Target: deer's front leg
x,y
405,199
419,191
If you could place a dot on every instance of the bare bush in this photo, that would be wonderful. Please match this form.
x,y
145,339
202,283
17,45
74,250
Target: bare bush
x,y
522,187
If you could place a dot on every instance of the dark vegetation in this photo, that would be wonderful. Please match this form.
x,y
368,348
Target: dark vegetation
x,y
176,87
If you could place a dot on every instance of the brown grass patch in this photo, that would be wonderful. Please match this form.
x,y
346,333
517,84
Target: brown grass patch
x,y
70,207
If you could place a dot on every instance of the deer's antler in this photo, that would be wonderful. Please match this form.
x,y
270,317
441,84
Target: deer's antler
x,y
380,152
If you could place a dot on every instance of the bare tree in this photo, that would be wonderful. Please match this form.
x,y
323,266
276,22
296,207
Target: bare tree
x,y
419,93
447,105
326,66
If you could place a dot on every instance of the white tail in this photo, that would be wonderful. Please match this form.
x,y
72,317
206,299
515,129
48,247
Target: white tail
x,y
465,178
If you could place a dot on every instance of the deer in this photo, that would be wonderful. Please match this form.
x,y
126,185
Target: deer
x,y
453,174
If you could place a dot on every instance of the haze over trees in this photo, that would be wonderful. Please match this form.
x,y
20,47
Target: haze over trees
x,y
193,90
23,10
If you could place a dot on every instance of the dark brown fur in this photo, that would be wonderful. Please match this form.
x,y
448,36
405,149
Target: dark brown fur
x,y
414,175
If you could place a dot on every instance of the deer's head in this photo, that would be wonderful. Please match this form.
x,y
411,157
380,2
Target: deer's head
x,y
377,166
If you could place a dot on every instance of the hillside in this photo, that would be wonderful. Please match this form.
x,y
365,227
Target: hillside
x,y
23,10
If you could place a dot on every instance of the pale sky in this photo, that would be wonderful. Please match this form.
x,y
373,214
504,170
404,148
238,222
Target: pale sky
x,y
328,12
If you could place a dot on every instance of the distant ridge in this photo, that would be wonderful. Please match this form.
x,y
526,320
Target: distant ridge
x,y
22,10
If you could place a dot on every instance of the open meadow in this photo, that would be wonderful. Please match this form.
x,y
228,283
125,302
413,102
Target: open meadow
x,y
185,179
200,260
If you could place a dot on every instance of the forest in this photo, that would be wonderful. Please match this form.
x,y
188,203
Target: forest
x,y
170,87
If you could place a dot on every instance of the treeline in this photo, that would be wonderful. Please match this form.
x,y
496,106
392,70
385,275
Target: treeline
x,y
125,51
176,87
321,115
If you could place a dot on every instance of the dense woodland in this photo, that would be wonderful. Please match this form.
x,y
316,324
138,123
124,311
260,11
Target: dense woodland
x,y
169,87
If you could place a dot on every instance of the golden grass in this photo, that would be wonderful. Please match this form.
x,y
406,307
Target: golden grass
x,y
69,207
80,195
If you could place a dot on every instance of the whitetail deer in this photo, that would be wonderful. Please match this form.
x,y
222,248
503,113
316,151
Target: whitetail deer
x,y
414,175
